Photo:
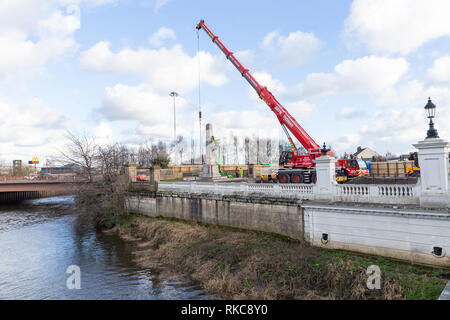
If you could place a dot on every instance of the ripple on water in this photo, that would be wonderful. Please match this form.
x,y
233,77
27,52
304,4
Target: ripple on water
x,y
38,241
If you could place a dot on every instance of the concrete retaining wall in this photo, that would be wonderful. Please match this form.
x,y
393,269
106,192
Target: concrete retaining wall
x,y
401,234
408,235
276,216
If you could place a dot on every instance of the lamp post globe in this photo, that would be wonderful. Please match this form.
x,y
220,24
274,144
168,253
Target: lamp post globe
x,y
430,109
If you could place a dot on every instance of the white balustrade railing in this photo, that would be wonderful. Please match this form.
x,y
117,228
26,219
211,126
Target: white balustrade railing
x,y
391,194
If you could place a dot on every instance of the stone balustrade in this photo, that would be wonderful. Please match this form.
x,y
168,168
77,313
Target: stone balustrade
x,y
389,194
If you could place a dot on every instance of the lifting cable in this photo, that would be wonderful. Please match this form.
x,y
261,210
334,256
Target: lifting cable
x,y
199,97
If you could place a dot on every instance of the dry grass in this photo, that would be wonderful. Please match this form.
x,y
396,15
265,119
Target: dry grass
x,y
250,265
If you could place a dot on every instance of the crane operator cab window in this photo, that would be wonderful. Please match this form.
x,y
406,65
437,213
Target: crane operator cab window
x,y
362,164
352,164
286,156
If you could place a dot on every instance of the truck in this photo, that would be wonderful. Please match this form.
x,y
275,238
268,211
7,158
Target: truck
x,y
297,167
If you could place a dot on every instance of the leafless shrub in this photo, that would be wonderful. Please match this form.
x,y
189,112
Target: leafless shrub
x,y
81,151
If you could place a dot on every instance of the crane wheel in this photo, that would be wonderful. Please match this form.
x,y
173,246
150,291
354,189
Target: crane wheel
x,y
313,177
283,178
297,178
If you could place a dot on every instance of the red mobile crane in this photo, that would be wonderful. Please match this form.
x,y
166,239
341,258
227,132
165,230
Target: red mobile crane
x,y
299,168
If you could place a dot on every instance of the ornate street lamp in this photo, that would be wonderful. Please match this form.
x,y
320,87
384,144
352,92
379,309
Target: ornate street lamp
x,y
430,108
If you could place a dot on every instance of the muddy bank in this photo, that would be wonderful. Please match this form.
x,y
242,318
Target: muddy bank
x,y
236,264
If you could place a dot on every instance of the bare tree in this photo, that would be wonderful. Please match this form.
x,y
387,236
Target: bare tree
x,y
160,155
144,155
181,147
192,151
111,158
235,143
247,150
81,151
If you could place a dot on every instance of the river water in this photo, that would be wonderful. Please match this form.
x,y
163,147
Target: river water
x,y
39,240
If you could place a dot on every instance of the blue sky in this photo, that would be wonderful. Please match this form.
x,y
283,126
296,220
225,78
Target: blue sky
x,y
353,73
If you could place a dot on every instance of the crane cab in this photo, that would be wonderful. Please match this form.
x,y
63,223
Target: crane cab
x,y
350,168
289,159
286,159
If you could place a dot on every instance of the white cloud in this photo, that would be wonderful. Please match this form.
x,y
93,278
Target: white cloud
x,y
86,3
300,109
244,123
269,39
266,80
34,32
159,4
103,134
140,103
400,26
293,50
441,70
246,57
30,129
369,74
401,120
163,33
345,143
297,108
163,69
351,113
152,111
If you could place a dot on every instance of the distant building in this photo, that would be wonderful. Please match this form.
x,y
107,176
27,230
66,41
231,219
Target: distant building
x,y
67,169
366,154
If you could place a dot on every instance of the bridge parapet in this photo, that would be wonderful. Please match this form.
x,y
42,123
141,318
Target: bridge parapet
x,y
16,191
387,194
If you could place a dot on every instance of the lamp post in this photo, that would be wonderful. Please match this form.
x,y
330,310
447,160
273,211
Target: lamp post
x,y
174,95
430,108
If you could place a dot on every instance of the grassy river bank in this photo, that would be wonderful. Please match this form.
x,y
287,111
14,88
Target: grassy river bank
x,y
237,264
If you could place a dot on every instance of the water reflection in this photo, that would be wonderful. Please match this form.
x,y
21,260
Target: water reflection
x,y
39,240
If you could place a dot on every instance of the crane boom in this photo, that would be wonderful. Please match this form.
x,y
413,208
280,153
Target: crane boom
x,y
283,116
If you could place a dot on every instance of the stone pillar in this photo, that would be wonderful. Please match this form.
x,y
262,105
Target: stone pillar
x,y
210,168
251,171
130,171
155,176
434,175
326,177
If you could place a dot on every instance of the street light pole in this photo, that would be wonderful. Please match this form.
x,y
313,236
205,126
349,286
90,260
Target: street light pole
x,y
174,95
